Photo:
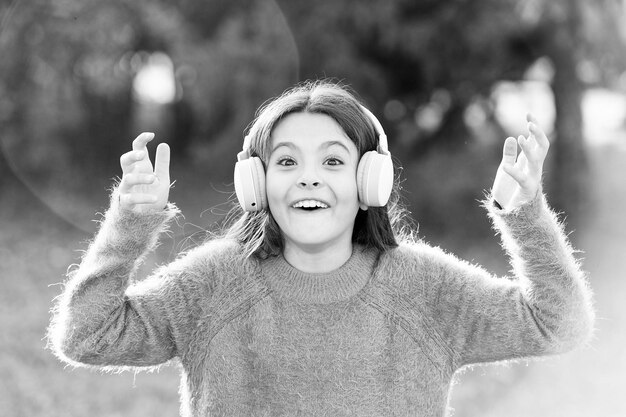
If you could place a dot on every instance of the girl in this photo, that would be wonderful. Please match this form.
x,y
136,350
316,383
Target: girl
x,y
315,302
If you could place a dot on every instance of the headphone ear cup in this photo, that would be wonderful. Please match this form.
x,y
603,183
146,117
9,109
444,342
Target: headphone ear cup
x,y
374,179
250,184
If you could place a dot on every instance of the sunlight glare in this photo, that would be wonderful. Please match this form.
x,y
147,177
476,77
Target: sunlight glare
x,y
155,82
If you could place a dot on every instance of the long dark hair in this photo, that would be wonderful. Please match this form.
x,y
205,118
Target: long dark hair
x,y
377,227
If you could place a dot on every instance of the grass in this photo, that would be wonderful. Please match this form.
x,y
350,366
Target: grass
x,y
36,251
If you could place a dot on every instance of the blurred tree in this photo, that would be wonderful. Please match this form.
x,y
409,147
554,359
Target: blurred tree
x,y
414,51
560,28
68,67
424,62
67,105
585,42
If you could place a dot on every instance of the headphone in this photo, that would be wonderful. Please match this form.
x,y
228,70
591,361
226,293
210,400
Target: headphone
x,y
374,176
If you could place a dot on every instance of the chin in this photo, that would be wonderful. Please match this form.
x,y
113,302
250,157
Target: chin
x,y
317,243
312,242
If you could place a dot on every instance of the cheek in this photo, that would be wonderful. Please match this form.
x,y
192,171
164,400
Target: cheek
x,y
275,190
346,197
348,185
344,187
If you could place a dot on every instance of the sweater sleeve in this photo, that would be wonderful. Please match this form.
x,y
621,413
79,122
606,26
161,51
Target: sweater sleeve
x,y
103,317
544,308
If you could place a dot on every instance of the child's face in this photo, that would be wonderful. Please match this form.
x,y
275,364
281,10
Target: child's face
x,y
311,181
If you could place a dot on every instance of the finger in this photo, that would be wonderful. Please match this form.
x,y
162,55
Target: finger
x,y
142,140
509,151
131,180
539,135
131,199
162,163
535,157
129,158
527,146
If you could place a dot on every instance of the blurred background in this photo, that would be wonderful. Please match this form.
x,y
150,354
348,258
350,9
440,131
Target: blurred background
x,y
449,80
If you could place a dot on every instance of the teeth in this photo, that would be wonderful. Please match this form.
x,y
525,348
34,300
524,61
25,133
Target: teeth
x,y
310,204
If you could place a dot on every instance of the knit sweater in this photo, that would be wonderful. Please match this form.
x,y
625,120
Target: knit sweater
x,y
380,336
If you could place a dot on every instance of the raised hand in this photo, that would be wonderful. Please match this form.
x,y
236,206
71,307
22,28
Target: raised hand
x,y
143,188
518,178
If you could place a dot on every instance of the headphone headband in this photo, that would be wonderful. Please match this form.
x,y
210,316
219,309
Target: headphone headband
x,y
245,151
383,146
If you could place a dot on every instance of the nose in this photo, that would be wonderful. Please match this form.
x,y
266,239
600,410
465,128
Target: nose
x,y
308,183
309,175
309,178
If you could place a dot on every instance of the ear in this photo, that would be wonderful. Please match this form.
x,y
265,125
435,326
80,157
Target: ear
x,y
363,207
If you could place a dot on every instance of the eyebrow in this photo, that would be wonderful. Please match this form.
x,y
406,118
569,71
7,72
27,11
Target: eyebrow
x,y
326,144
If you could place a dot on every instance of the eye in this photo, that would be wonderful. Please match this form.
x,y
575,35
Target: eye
x,y
333,161
286,161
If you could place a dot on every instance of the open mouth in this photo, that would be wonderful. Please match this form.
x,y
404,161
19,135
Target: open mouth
x,y
310,205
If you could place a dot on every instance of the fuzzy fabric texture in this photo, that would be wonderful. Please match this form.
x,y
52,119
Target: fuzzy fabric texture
x,y
381,336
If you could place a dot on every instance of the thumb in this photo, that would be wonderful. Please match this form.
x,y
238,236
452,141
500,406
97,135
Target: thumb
x,y
509,151
162,163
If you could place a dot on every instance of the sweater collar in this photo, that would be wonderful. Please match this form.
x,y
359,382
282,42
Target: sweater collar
x,y
340,284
